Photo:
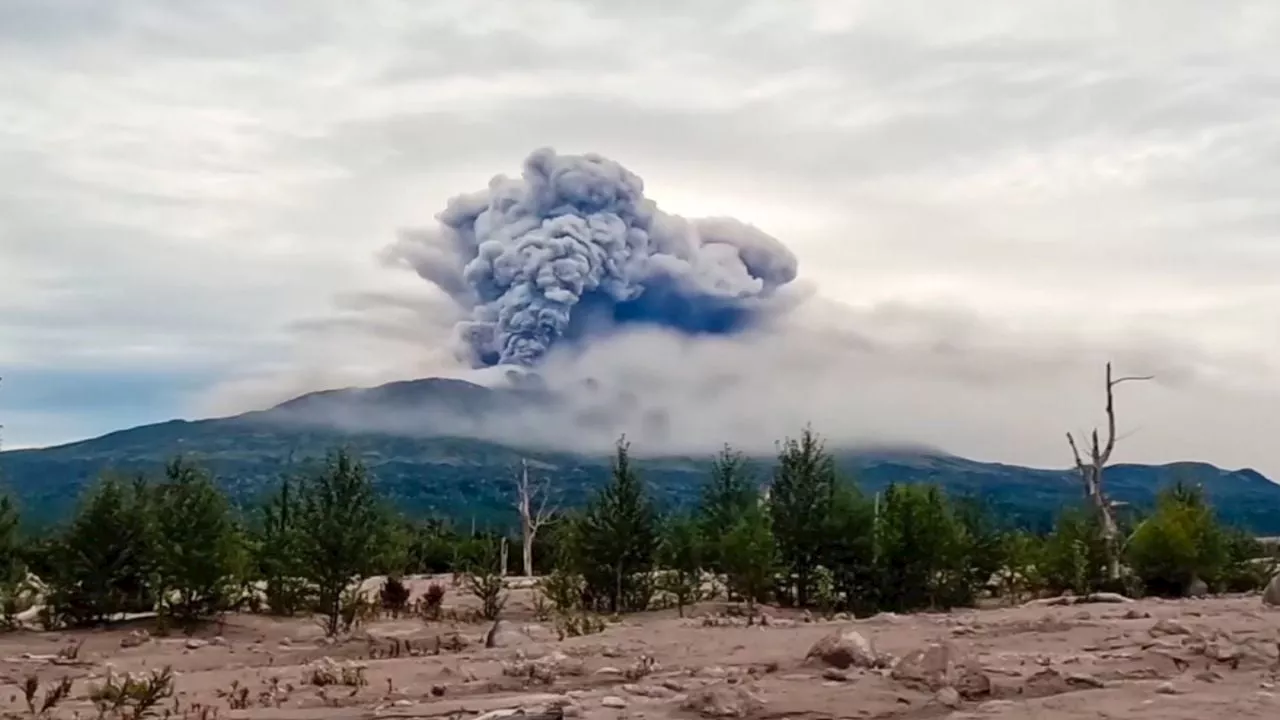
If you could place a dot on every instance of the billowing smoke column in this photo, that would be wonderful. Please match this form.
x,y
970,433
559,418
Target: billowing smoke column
x,y
573,249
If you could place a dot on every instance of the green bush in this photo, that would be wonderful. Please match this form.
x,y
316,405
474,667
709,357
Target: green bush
x,y
1179,543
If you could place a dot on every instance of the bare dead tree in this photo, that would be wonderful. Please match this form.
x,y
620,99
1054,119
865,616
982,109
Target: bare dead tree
x,y
532,503
1091,471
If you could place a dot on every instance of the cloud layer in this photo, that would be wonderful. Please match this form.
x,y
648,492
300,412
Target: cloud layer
x,y
991,199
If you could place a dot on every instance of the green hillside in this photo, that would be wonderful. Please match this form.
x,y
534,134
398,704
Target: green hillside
x,y
466,478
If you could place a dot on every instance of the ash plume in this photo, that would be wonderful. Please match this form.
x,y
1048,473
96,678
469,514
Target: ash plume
x,y
573,249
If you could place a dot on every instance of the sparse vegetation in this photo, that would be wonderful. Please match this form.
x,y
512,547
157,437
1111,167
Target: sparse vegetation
x,y
485,582
394,596
132,697
431,603
41,705
196,545
338,522
680,557
810,539
616,541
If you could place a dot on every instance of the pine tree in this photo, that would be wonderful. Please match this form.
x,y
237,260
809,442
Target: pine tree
x,y
338,526
749,555
730,489
278,551
919,549
848,549
196,544
11,566
617,536
800,500
104,559
680,555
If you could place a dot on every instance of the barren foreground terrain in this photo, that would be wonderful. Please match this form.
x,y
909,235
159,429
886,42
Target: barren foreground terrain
x,y
1207,658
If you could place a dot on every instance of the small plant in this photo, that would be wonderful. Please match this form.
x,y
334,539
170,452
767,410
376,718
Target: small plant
x,y
237,696
563,589
394,596
130,697
46,704
491,590
642,667
9,611
579,624
70,652
274,695
356,609
431,603
542,609
824,591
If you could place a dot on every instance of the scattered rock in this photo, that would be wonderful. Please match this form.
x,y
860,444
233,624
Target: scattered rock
x,y
1167,688
949,697
1135,614
942,664
1085,681
723,701
1106,597
497,714
1222,650
835,674
1168,626
844,650
1197,588
196,643
649,691
613,701
1208,676
135,638
1045,683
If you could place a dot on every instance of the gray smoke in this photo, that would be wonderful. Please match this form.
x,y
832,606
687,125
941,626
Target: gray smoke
x,y
573,249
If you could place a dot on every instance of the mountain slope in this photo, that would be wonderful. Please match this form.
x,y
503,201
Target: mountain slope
x,y
468,478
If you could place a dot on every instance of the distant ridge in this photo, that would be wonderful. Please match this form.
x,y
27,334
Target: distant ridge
x,y
434,472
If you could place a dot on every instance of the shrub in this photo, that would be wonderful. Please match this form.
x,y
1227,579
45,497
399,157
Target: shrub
x,y
394,595
1179,543
563,589
431,602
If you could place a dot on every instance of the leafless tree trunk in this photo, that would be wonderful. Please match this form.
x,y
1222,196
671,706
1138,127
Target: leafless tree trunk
x,y
531,502
1091,470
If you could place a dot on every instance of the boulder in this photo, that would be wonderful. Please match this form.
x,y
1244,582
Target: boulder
x,y
1271,596
723,701
939,665
845,649
1197,588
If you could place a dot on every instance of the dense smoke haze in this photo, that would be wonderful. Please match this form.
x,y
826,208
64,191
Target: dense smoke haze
x,y
573,249
688,333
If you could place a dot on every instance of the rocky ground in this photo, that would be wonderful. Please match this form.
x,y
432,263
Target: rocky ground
x,y
1213,657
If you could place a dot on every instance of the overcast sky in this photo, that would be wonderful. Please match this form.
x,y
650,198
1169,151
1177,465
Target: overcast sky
x,y
193,197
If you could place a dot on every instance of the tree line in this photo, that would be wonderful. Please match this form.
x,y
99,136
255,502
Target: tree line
x,y
797,534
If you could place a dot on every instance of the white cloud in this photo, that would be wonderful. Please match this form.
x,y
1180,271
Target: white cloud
x,y
190,186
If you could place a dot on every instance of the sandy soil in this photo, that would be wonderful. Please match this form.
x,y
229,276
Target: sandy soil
x,y
1214,658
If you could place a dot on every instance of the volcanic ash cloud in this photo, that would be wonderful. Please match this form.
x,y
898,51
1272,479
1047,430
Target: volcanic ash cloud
x,y
573,250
